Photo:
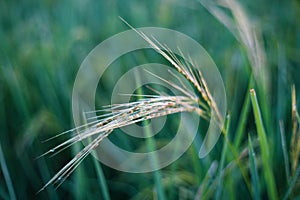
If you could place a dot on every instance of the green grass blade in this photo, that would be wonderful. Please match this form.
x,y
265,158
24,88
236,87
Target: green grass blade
x,y
266,159
203,191
151,146
7,176
80,180
100,175
239,163
284,150
292,184
223,157
150,143
243,117
101,179
253,170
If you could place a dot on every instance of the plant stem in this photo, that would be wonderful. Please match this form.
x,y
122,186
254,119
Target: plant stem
x,y
266,159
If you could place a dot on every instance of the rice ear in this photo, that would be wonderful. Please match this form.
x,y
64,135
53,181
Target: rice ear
x,y
148,107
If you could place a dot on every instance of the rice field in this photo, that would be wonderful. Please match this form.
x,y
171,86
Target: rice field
x,y
255,46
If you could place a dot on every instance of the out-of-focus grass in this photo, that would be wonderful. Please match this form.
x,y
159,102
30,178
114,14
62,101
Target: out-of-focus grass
x,y
6,175
42,44
253,171
222,161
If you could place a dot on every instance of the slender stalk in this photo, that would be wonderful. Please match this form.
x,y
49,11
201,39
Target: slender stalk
x,y
295,140
101,180
284,150
151,146
222,162
7,178
266,158
253,170
243,117
292,184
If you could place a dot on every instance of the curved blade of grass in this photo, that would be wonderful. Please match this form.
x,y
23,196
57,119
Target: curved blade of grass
x,y
100,175
150,142
208,179
253,170
243,117
293,182
266,159
223,157
6,175
101,179
80,180
237,160
151,146
284,150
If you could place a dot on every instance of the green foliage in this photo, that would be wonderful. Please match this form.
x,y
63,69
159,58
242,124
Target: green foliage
x,y
43,43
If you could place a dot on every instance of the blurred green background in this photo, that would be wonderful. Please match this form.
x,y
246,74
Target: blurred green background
x,y
43,43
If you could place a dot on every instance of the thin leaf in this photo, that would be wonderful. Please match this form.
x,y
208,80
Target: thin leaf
x,y
7,176
253,170
266,159
221,168
243,118
284,150
101,179
292,185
